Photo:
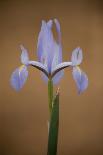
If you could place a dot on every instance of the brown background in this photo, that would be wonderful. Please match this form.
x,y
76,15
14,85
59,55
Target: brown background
x,y
24,115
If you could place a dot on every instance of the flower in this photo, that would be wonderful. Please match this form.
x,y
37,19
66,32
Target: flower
x,y
49,52
79,76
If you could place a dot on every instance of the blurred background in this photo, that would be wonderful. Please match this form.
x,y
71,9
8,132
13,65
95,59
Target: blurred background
x,y
24,114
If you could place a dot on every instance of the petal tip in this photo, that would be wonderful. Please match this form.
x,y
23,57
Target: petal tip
x,y
81,79
18,78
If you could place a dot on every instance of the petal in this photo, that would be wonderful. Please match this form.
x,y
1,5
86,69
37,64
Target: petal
x,y
80,78
55,78
77,56
19,77
58,29
60,67
59,39
50,23
45,45
58,77
56,59
39,66
24,55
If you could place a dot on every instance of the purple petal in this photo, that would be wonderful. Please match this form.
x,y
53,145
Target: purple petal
x,y
45,45
19,77
80,78
50,23
55,79
39,66
58,77
24,55
59,39
60,67
56,59
58,29
77,56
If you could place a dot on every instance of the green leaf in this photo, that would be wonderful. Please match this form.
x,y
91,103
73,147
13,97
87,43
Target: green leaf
x,y
54,126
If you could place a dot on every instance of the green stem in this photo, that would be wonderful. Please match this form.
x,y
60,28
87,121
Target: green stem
x,y
54,127
50,94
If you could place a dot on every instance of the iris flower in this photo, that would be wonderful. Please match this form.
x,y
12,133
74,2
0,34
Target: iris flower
x,y
49,52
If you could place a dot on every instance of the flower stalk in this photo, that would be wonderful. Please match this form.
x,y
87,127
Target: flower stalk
x,y
50,94
54,126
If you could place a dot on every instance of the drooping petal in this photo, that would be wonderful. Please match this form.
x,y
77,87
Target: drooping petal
x,y
80,78
19,77
60,67
76,56
45,45
24,55
39,66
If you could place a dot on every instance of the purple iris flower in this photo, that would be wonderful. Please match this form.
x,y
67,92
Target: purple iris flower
x,y
49,53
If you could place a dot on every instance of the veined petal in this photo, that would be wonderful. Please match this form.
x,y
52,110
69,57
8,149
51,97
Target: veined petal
x,y
56,59
59,40
76,56
19,77
80,78
45,45
39,66
58,29
50,23
55,78
24,55
60,67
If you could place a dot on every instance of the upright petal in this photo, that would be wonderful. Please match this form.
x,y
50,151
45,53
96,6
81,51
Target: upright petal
x,y
77,56
24,55
19,77
45,45
58,29
59,39
80,78
55,62
57,59
50,23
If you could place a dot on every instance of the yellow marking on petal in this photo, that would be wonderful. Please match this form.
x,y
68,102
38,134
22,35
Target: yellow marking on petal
x,y
21,67
78,68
